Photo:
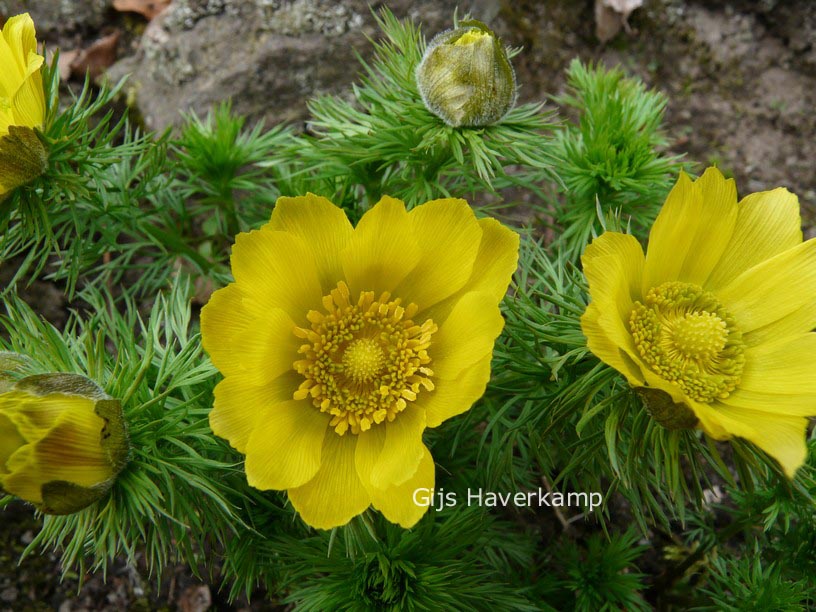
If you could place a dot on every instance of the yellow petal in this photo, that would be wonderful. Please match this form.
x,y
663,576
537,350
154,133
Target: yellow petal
x,y
772,290
20,35
795,323
785,367
323,226
397,502
448,235
496,260
672,233
768,223
10,441
71,450
285,447
238,406
22,479
34,416
608,345
222,319
613,264
402,449
336,494
495,264
795,404
268,348
383,251
466,336
656,382
781,436
275,270
452,397
715,227
28,104
6,120
17,42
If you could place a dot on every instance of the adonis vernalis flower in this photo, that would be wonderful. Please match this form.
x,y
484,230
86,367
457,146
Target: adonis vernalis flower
x,y
62,441
340,345
22,105
714,325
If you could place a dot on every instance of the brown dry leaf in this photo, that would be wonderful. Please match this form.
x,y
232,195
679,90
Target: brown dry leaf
x,y
96,58
612,15
148,8
65,61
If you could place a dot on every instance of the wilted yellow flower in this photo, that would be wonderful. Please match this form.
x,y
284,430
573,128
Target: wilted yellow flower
x,y
340,345
714,325
22,105
465,77
62,442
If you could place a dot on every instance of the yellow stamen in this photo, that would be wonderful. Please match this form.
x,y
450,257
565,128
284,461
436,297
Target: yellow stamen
x,y
364,360
685,336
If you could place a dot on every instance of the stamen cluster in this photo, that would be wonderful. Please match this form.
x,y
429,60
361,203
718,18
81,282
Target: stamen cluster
x,y
364,360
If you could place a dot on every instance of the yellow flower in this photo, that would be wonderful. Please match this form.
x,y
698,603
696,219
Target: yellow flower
x,y
340,345
62,442
715,322
22,105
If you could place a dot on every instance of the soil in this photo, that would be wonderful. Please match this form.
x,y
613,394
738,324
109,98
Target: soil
x,y
741,81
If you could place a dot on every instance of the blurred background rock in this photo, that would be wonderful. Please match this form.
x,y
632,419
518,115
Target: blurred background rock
x,y
740,74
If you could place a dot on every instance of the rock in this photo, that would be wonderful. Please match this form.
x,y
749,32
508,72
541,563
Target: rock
x,y
268,56
58,21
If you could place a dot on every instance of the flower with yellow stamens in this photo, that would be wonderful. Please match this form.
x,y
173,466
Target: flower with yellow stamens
x,y
340,345
22,105
714,325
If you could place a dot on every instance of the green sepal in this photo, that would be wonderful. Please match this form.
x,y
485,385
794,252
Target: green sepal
x,y
114,434
23,157
666,411
61,497
68,384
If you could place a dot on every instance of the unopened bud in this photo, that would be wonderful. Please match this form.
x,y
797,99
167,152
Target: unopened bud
x,y
465,77
62,442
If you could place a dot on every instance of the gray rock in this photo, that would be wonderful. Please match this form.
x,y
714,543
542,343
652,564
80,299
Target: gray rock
x,y
268,56
57,20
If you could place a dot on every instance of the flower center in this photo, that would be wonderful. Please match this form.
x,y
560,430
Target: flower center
x,y
685,336
364,360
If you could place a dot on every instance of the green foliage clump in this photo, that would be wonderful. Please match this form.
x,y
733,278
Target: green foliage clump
x,y
157,506
385,141
601,575
612,158
459,561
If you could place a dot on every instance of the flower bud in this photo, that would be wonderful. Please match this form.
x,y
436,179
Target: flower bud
x,y
465,77
23,156
62,442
